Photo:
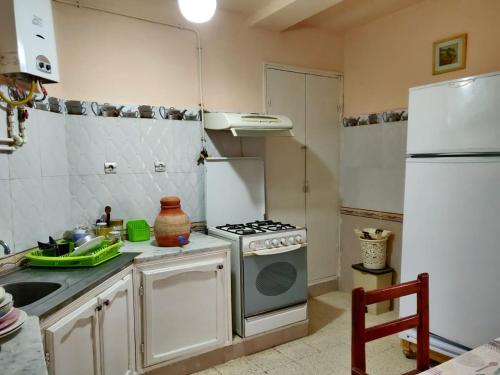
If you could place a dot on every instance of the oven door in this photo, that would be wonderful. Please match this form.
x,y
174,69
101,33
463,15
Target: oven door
x,y
274,279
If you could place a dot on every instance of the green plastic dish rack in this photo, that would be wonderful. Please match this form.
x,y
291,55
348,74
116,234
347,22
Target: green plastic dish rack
x,y
100,255
138,230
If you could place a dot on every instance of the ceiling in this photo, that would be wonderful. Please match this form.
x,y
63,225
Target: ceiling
x,y
336,16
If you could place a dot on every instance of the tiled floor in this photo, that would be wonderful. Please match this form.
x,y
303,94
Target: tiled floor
x,y
326,350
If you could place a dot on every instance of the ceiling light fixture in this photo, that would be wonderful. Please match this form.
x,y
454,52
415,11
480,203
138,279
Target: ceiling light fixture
x,y
197,11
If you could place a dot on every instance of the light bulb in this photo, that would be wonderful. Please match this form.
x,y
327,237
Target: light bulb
x,y
197,11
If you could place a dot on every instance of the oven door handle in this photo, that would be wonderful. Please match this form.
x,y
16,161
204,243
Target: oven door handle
x,y
278,250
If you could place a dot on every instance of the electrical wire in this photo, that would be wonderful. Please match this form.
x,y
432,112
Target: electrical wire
x,y
44,92
25,100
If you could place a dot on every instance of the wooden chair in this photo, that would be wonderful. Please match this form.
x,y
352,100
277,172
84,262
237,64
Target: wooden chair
x,y
420,321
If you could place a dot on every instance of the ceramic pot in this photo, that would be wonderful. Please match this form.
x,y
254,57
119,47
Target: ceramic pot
x,y
172,226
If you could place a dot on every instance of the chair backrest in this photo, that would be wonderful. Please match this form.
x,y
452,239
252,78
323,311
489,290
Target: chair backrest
x,y
420,321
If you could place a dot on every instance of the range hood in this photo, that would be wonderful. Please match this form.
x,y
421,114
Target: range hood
x,y
249,124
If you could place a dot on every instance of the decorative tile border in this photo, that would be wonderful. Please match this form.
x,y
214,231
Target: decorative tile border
x,y
397,115
371,214
88,108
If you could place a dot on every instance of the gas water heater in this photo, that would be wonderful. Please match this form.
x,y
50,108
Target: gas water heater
x,y
27,41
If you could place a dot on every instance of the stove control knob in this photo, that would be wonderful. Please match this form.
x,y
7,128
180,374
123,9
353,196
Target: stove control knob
x,y
268,244
283,241
291,240
298,238
252,245
275,242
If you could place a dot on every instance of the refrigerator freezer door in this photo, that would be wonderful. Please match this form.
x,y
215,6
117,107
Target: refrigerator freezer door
x,y
459,116
452,231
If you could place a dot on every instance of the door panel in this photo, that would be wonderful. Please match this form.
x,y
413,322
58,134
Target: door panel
x,y
73,342
322,175
117,328
450,231
184,309
285,156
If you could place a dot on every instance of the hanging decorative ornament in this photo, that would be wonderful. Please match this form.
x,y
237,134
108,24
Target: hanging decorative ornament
x,y
197,11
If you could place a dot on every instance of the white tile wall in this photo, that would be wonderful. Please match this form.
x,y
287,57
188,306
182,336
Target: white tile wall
x,y
373,166
57,180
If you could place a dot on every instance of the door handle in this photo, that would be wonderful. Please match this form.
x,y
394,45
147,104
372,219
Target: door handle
x,y
279,250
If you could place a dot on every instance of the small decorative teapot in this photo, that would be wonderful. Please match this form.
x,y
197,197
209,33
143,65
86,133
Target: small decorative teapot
x,y
172,113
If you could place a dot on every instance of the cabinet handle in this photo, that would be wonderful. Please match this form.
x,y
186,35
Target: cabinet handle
x,y
220,266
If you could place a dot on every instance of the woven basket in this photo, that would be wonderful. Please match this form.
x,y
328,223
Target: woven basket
x,y
373,253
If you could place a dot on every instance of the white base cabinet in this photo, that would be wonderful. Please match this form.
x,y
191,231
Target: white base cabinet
x,y
186,306
96,338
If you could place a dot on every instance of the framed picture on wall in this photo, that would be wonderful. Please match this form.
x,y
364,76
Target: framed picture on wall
x,y
449,54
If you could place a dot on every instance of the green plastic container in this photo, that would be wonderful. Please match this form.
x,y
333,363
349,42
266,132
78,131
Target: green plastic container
x,y
100,255
138,230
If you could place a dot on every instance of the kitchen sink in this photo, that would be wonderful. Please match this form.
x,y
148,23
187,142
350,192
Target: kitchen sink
x,y
26,293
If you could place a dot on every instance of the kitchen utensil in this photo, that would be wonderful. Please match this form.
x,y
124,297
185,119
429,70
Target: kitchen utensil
x,y
105,110
129,114
191,116
82,241
6,304
138,230
75,107
2,294
173,114
55,105
146,111
88,246
10,318
78,233
14,327
172,226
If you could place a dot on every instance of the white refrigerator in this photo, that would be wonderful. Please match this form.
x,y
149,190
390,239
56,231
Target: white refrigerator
x,y
452,209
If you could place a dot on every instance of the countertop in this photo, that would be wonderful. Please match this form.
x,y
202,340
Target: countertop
x,y
75,282
483,360
22,352
198,243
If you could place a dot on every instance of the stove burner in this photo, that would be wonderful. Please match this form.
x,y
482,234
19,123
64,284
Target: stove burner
x,y
240,229
270,225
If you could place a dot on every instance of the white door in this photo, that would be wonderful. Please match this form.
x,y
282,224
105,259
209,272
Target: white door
x,y
73,342
184,309
451,231
322,176
285,156
117,328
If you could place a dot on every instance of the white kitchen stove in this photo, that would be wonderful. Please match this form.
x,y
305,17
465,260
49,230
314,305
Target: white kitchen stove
x,y
268,258
268,274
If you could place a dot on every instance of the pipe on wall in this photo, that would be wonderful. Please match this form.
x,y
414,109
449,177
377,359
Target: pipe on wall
x,y
77,4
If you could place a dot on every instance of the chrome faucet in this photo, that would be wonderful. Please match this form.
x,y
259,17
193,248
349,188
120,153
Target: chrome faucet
x,y
6,248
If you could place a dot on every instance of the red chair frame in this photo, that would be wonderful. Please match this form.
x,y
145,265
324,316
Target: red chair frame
x,y
420,321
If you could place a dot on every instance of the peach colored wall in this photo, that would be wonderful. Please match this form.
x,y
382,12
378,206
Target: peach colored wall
x,y
384,58
111,58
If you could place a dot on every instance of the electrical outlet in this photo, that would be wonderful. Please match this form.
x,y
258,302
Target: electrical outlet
x,y
160,166
110,167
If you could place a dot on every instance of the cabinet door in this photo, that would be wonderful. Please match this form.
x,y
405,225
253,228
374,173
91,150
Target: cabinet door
x,y
117,328
73,342
184,309
322,175
285,156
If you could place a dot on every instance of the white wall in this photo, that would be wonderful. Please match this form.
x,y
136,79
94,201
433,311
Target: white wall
x,y
57,179
373,166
